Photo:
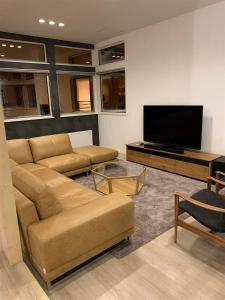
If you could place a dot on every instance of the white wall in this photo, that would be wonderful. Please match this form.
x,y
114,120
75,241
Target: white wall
x,y
178,61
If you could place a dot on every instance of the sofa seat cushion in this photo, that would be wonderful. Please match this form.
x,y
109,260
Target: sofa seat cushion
x,y
51,178
97,154
65,163
77,231
31,167
73,194
51,145
19,150
40,194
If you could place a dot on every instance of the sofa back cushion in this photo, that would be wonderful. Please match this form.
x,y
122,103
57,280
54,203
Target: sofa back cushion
x,y
12,163
50,145
19,151
40,194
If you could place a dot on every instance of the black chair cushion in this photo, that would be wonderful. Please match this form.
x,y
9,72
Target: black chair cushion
x,y
222,179
211,219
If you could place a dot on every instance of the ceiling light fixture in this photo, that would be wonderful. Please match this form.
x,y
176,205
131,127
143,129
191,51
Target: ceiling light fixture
x,y
118,56
113,56
87,62
42,21
61,24
19,47
3,45
11,46
51,22
2,55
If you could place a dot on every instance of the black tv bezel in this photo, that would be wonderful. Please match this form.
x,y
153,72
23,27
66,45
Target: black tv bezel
x,y
174,145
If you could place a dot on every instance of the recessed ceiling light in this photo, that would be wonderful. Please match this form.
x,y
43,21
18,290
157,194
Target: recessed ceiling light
x,y
11,46
2,55
87,62
61,24
42,21
113,56
118,56
51,22
3,45
19,47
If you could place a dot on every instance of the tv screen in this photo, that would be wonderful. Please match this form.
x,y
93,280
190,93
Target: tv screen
x,y
173,125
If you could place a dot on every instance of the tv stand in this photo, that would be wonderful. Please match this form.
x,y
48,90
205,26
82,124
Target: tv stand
x,y
194,164
166,148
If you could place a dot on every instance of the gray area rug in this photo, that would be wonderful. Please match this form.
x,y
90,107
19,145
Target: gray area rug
x,y
154,206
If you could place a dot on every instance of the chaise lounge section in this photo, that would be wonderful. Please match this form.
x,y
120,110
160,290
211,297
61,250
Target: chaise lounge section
x,y
64,224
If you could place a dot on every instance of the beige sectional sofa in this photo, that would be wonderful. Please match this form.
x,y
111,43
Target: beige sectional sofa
x,y
56,152
62,223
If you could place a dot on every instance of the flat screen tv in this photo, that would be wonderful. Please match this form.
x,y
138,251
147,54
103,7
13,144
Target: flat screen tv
x,y
179,126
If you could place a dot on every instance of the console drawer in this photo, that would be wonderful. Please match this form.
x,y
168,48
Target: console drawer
x,y
192,170
138,157
154,161
162,163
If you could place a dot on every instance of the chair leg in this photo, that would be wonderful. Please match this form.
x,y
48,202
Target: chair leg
x,y
176,217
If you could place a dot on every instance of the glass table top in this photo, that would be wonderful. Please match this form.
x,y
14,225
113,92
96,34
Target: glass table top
x,y
119,169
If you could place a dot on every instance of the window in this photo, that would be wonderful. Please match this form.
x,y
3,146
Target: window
x,y
14,50
113,91
75,93
24,94
74,56
112,54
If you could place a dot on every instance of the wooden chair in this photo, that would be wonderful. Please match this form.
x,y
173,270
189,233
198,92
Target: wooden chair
x,y
205,206
220,176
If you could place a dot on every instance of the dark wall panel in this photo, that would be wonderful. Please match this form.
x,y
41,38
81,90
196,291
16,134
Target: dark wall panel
x,y
31,128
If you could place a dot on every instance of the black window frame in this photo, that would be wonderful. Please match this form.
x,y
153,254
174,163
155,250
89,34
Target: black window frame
x,y
116,111
112,60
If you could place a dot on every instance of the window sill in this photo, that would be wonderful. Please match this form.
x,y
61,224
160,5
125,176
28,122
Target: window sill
x,y
113,113
76,114
74,65
24,61
28,119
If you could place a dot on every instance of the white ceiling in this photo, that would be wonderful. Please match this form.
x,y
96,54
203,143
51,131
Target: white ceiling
x,y
89,20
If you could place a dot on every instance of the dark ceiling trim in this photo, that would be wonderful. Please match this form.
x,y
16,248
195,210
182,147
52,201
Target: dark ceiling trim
x,y
36,39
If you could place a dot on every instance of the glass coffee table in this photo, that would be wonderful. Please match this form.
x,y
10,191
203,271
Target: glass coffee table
x,y
119,176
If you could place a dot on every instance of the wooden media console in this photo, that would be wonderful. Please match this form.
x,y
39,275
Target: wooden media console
x,y
194,164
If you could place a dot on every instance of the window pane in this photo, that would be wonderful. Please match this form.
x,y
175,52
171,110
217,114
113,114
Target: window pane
x,y
74,56
14,50
24,94
75,93
112,54
113,91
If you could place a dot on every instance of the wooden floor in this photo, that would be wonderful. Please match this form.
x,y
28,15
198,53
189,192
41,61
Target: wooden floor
x,y
193,269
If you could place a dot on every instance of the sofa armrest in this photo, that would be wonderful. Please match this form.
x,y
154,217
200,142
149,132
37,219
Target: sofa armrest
x,y
61,238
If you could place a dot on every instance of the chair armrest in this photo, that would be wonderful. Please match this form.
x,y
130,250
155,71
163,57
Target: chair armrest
x,y
210,179
198,203
220,173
